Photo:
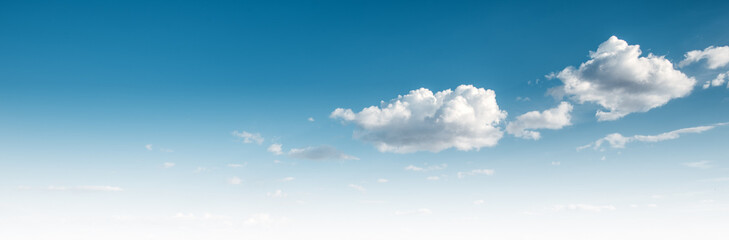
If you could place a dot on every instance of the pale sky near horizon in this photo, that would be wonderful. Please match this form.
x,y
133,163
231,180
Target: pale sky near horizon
x,y
364,120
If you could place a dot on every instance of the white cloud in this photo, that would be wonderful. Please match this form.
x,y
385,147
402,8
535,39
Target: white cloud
x,y
556,163
621,81
287,179
479,202
249,137
311,119
617,140
584,207
382,180
433,178
487,172
523,99
357,187
319,153
275,149
555,118
426,168
168,164
718,81
150,147
465,119
237,165
716,57
87,188
235,180
277,194
421,211
699,164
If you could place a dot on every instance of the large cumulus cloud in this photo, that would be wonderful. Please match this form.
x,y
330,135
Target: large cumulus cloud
x,y
621,81
466,118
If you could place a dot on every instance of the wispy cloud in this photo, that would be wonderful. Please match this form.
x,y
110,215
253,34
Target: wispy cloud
x,y
617,140
699,164
584,207
426,168
277,194
320,153
248,137
168,164
487,172
87,188
237,165
357,187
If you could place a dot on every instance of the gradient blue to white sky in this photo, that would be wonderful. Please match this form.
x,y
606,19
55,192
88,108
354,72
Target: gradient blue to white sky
x,y
296,120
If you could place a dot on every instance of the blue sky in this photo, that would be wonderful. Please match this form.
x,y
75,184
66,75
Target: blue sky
x,y
526,120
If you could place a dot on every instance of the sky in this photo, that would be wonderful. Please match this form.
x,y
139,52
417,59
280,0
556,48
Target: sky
x,y
364,120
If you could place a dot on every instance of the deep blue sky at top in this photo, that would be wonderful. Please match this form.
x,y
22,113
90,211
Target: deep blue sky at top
x,y
262,64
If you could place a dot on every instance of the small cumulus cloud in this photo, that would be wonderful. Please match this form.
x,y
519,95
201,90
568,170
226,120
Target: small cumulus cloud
x,y
716,57
248,137
555,118
235,180
275,149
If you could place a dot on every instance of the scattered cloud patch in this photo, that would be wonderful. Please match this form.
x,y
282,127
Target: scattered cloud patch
x,y
287,179
320,153
277,194
473,172
382,180
310,119
426,168
275,149
479,202
168,164
148,147
621,81
617,140
248,137
716,57
699,164
720,79
237,165
465,119
357,187
555,118
556,163
235,180
433,178
523,99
